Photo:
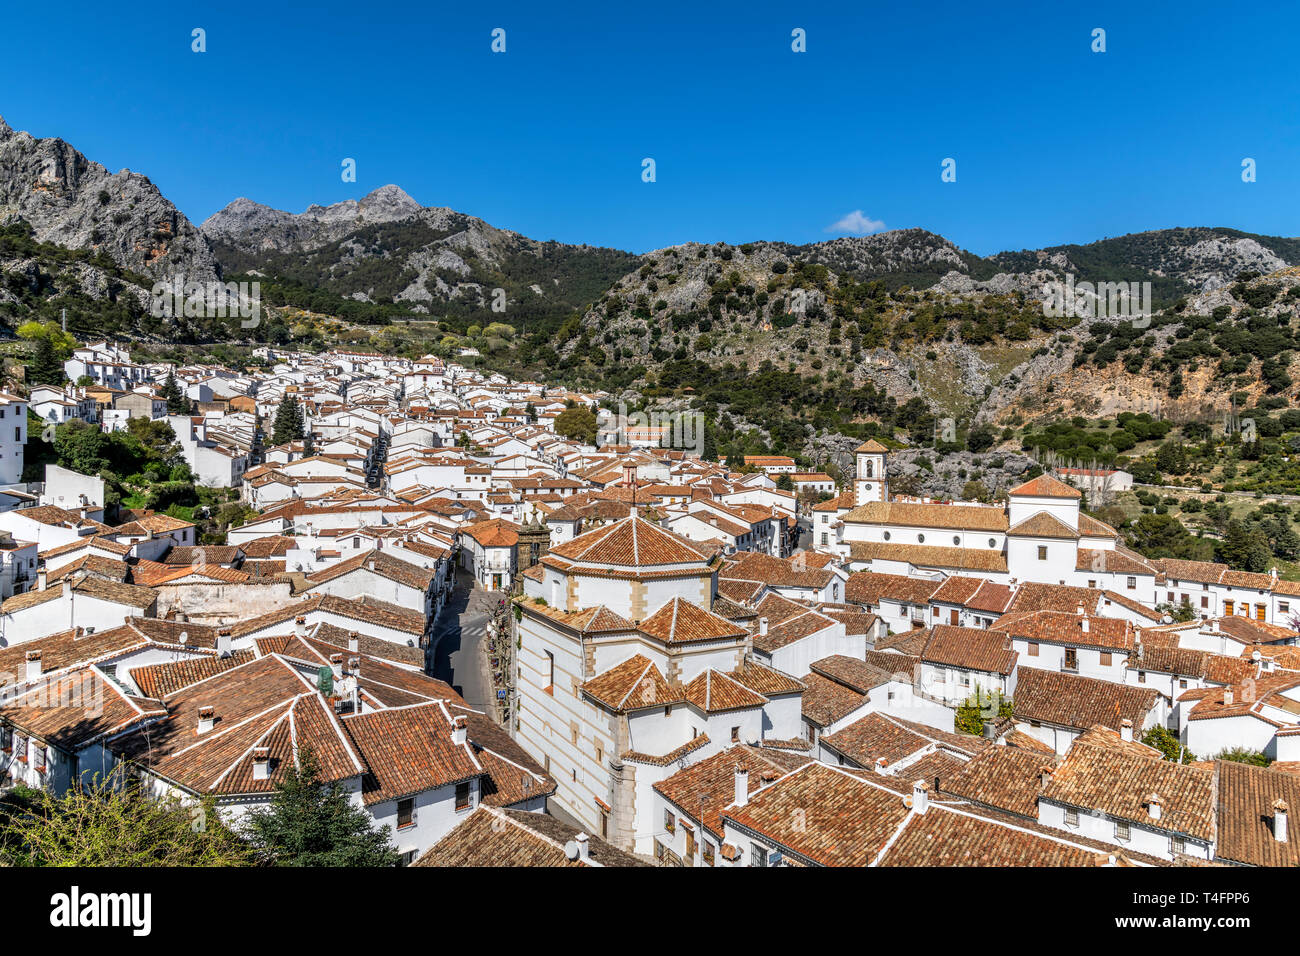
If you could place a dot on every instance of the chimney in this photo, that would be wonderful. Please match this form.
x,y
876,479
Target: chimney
x,y
1083,625
207,719
460,730
1227,697
920,797
1280,811
742,784
1214,625
42,577
33,665
300,626
1044,777
584,849
1153,806
1079,609
354,643
223,643
67,587
336,665
762,625
881,764
261,763
1126,730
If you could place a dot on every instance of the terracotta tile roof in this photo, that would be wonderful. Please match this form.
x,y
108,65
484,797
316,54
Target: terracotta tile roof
x,y
1121,784
714,692
827,816
792,629
742,592
930,556
159,680
870,587
1033,596
970,648
515,838
634,684
55,708
632,542
862,676
710,784
914,515
409,750
1111,561
825,701
764,680
1005,778
263,703
683,622
1045,486
1043,525
494,533
1067,627
1247,800
1068,700
775,572
878,735
115,592
377,562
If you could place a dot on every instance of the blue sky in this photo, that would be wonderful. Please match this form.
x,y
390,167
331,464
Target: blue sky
x,y
1053,143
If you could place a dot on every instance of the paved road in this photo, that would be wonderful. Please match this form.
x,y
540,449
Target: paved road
x,y
458,655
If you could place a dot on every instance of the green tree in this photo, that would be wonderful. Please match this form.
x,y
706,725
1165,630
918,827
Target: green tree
x,y
177,402
288,422
980,707
45,367
106,826
1164,740
81,447
784,482
1243,755
313,823
578,424
1245,547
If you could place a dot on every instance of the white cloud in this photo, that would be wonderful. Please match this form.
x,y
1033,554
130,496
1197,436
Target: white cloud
x,y
856,223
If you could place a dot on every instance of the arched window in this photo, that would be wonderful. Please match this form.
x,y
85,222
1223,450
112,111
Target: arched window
x,y
871,468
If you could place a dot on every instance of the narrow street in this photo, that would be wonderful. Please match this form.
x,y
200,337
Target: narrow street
x,y
458,656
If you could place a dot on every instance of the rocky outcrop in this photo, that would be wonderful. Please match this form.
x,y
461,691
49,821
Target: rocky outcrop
x,y
74,202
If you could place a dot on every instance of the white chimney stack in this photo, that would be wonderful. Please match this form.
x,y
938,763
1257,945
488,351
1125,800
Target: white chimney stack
x,y
1083,625
33,665
42,577
742,784
584,846
336,665
920,797
881,764
1227,697
1280,811
1153,806
762,625
460,730
207,719
261,763
223,643
354,643
300,626
1126,729
1078,609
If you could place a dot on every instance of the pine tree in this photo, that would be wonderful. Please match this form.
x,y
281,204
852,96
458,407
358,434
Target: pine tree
x,y
288,422
177,403
313,823
45,368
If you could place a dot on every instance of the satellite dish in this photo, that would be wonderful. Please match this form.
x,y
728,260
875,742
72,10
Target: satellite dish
x,y
1166,620
571,850
184,638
